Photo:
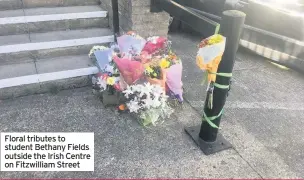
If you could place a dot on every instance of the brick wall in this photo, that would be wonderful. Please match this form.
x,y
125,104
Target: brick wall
x,y
135,15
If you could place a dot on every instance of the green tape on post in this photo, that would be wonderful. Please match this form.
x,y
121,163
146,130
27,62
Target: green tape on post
x,y
210,119
217,29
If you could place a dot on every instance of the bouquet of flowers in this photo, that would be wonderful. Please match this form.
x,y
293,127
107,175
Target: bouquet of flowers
x,y
210,55
174,68
149,102
154,44
155,74
130,69
108,79
208,59
131,44
104,82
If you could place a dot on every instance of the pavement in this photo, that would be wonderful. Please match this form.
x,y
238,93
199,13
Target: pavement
x,y
262,120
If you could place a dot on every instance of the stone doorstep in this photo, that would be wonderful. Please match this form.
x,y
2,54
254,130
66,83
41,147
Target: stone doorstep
x,y
58,3
19,4
53,19
53,44
44,87
46,75
10,4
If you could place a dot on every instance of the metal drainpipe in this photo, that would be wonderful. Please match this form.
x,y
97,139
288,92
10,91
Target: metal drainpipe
x,y
115,19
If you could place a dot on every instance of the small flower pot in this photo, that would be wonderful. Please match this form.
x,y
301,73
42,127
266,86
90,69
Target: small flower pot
x,y
112,99
109,99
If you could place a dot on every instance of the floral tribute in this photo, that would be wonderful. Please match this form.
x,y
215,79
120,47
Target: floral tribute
x,y
144,73
208,59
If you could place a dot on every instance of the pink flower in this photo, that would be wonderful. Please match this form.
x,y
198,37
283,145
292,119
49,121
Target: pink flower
x,y
117,86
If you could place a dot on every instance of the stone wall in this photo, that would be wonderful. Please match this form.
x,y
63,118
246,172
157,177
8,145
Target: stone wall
x,y
135,15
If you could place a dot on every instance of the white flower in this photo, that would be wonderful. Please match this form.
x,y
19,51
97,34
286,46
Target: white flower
x,y
128,91
102,84
156,103
148,102
146,90
153,39
151,110
137,88
133,106
157,89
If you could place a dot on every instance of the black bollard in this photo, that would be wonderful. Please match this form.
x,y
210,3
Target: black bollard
x,y
207,137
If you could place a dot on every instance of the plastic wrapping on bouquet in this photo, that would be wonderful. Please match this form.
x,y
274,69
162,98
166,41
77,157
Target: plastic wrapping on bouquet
x,y
130,70
174,80
130,44
209,56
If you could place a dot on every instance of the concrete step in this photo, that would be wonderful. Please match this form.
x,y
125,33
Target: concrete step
x,y
10,4
58,3
24,48
45,75
51,19
19,4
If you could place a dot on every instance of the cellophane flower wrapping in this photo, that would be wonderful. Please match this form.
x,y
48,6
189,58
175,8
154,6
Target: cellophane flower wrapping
x,y
129,44
149,102
210,54
174,80
154,44
103,58
130,69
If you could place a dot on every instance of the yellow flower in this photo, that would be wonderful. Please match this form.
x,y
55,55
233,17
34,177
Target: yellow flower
x,y
164,63
215,39
111,81
149,69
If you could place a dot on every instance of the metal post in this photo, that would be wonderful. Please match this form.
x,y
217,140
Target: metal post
x,y
207,137
115,18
